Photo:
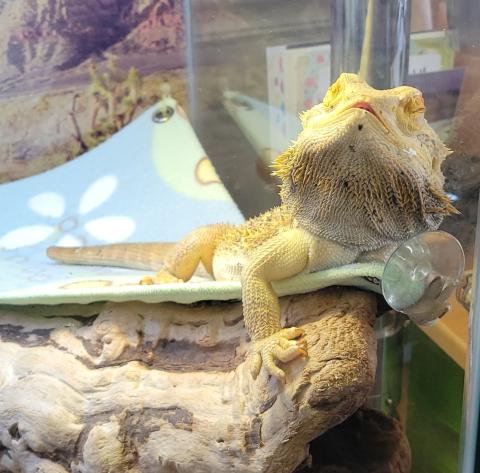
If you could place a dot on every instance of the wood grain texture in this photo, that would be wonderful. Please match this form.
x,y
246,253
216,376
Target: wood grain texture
x,y
137,387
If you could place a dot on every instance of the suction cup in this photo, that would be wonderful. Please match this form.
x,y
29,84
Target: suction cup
x,y
421,274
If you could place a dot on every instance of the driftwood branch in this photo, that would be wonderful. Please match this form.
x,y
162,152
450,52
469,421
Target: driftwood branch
x,y
139,387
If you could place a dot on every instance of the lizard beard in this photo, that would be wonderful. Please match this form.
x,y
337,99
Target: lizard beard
x,y
360,195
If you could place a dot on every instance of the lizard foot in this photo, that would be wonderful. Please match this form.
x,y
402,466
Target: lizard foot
x,y
279,346
162,277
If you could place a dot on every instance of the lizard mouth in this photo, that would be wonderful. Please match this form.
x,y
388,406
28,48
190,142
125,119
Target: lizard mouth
x,y
368,108
364,106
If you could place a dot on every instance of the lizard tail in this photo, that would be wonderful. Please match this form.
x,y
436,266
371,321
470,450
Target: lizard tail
x,y
148,256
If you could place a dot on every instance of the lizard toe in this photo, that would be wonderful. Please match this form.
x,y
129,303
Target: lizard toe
x,y
277,347
162,277
289,354
272,368
297,344
146,281
291,333
255,364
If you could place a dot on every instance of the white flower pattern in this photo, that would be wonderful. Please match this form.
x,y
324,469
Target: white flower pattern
x,y
52,205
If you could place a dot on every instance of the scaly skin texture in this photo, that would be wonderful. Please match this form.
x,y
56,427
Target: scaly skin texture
x,y
363,176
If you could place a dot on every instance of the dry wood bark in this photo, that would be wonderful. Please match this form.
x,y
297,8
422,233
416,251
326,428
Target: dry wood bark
x,y
137,387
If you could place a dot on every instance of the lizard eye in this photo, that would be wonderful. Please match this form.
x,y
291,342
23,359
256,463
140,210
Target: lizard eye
x,y
332,95
415,105
411,113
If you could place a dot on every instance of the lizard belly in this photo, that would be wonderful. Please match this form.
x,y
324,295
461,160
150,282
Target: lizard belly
x,y
323,254
228,267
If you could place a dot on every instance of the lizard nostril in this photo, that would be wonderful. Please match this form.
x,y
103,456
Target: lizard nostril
x,y
360,127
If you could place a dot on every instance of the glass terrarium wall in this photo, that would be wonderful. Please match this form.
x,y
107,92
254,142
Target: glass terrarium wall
x,y
468,293
254,65
243,79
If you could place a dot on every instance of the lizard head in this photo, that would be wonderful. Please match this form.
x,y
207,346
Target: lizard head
x,y
366,157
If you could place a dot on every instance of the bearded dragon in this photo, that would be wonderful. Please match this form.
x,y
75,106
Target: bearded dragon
x,y
363,176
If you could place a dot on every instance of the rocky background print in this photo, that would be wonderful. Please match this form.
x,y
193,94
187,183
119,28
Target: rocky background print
x,y
74,72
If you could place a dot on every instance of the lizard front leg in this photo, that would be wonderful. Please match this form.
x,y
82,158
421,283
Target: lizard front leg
x,y
284,255
185,256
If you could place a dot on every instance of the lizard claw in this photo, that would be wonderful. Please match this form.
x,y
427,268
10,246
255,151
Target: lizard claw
x,y
279,346
161,277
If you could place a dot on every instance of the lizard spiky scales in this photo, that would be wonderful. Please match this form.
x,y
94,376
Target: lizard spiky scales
x,y
363,176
